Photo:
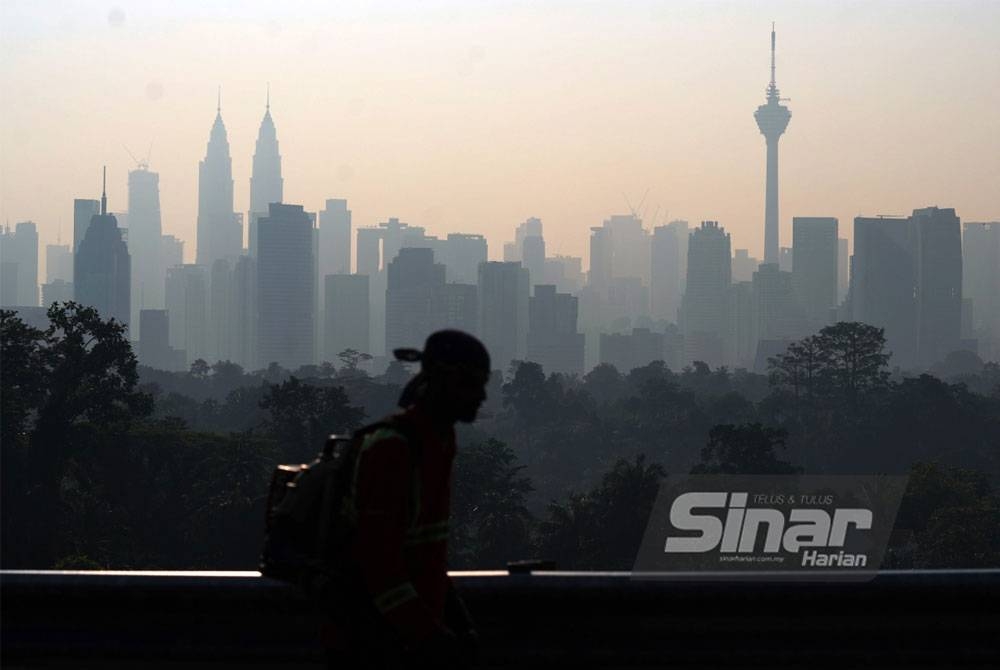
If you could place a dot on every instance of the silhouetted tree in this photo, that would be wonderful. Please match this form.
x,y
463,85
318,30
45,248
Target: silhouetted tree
x,y
748,449
300,416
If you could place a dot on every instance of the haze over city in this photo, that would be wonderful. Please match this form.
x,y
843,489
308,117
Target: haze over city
x,y
473,118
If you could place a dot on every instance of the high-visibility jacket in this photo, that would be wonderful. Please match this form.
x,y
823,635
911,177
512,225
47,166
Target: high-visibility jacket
x,y
401,543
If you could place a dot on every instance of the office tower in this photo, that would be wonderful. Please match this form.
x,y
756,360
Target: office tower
x,y
335,238
742,340
266,184
981,284
102,272
413,279
57,290
883,283
533,258
705,305
286,286
814,268
220,307
665,272
772,119
456,306
566,272
938,273
8,283
786,259
186,295
777,316
503,311
843,269
601,258
553,340
171,251
461,254
510,254
633,350
145,241
154,345
514,251
744,265
347,315
244,316
629,247
19,247
220,231
58,262
83,211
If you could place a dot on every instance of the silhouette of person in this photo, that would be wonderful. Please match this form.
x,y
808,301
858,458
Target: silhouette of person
x,y
401,493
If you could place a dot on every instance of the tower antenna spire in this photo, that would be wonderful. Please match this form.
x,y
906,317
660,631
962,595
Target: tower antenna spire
x,y
104,191
772,53
268,106
218,108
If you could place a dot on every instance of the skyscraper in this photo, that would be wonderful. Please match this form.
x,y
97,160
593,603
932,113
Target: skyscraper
x,y
883,283
772,119
335,238
266,184
553,340
102,268
461,254
814,268
503,311
347,315
19,247
705,306
58,262
144,241
220,232
287,286
665,271
186,294
938,236
83,211
981,283
413,280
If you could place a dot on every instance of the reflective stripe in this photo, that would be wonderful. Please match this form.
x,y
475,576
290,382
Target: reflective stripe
x,y
351,504
394,597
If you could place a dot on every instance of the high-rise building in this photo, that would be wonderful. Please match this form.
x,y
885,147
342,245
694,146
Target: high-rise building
x,y
777,315
772,119
627,351
601,258
171,251
286,281
938,236
566,272
335,238
744,265
456,306
705,306
503,311
83,211
843,269
220,229
629,247
883,284
145,241
58,262
57,290
981,284
266,184
347,315
413,283
461,254
220,308
244,312
553,340
154,345
19,247
665,271
186,294
102,268
533,258
814,268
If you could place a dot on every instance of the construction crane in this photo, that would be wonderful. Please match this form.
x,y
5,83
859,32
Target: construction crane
x,y
140,164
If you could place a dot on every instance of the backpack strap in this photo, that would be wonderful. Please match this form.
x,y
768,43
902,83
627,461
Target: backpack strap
x,y
397,424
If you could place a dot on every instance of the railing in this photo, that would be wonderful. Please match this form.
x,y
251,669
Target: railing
x,y
230,619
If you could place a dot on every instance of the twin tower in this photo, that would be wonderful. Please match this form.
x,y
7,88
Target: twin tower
x,y
220,227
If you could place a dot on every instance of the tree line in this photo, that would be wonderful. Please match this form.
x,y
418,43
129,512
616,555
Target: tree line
x,y
108,464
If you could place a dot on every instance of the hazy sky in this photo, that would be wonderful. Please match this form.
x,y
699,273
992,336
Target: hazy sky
x,y
472,116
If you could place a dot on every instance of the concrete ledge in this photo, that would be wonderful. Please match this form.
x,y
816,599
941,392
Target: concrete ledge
x,y
223,619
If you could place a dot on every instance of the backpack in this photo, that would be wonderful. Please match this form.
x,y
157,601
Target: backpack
x,y
309,526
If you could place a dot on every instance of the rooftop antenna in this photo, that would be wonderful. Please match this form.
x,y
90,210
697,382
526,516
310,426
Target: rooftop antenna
x,y
772,53
218,108
104,192
268,106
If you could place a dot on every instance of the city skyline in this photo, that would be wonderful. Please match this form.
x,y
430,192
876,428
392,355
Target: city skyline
x,y
696,166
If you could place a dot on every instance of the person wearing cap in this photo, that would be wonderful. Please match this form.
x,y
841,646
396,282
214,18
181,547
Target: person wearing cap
x,y
403,508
